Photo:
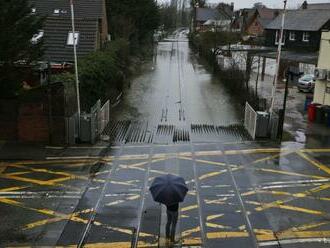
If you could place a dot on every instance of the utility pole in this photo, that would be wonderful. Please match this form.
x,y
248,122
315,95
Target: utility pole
x,y
75,64
278,59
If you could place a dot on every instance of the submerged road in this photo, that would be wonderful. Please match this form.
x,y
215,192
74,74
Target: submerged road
x,y
175,119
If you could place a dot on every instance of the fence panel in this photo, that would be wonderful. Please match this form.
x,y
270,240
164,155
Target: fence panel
x,y
250,120
104,117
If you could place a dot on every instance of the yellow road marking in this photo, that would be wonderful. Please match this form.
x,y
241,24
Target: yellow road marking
x,y
315,163
217,201
221,235
217,226
212,174
254,151
189,208
190,231
215,216
289,173
280,204
205,161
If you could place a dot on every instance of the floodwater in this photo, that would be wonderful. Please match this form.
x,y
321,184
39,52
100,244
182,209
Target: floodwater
x,y
177,89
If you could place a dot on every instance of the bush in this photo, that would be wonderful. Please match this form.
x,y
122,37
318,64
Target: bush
x,y
100,73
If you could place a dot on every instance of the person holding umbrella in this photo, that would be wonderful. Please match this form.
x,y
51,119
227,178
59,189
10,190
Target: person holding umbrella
x,y
169,190
172,219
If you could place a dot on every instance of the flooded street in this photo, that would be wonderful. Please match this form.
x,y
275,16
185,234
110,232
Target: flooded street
x,y
177,89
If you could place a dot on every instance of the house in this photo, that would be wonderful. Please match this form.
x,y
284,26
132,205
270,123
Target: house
x,y
322,84
91,28
241,18
307,5
260,19
207,19
302,29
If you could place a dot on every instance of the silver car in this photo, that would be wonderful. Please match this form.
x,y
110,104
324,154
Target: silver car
x,y
306,83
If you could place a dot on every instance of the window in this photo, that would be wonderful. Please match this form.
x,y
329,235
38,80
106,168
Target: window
x,y
306,36
277,37
33,10
56,11
70,38
37,37
292,36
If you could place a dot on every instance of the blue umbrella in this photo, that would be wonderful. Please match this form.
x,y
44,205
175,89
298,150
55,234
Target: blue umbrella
x,y
168,189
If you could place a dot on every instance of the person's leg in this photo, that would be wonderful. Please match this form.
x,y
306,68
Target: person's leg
x,y
175,216
168,224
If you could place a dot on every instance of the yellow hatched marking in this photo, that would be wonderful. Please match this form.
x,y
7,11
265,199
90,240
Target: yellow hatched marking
x,y
217,226
283,193
222,235
212,217
189,208
307,192
131,198
289,173
190,231
305,227
205,161
253,151
192,241
218,201
212,174
315,163
13,189
280,204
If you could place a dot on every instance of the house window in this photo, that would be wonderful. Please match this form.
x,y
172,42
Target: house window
x,y
70,39
36,38
56,11
33,10
292,36
277,37
306,36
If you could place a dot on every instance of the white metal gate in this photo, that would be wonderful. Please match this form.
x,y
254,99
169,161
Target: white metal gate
x,y
250,120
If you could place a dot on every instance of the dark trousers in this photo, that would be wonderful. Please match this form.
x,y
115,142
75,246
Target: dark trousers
x,y
172,219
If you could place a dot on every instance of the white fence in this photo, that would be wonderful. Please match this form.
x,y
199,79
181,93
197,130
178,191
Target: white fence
x,y
104,117
250,120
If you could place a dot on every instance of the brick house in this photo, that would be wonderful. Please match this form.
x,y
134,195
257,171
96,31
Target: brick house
x,y
260,19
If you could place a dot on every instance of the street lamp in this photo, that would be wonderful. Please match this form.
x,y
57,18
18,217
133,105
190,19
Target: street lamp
x,y
75,64
278,59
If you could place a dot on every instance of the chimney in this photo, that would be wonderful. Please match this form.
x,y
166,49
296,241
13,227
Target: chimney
x,y
304,5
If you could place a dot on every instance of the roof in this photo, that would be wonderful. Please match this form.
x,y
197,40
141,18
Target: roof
x,y
266,15
56,34
82,8
318,6
302,20
204,14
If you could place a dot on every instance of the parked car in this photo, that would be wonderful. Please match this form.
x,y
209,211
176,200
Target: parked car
x,y
306,83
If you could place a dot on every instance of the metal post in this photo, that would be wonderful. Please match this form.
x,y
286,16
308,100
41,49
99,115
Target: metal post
x,y
278,59
288,73
75,64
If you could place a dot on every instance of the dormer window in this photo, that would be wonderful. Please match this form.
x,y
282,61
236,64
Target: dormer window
x,y
33,10
56,11
37,37
72,39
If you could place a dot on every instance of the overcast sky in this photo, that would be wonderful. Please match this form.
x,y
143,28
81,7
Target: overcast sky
x,y
269,3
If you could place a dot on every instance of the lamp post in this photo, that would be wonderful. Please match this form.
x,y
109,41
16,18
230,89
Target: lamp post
x,y
278,59
75,64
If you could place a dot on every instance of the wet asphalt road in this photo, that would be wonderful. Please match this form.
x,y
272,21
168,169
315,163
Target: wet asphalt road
x,y
241,193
